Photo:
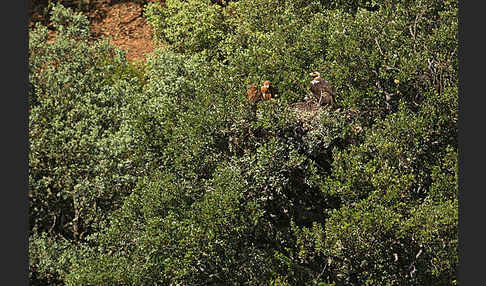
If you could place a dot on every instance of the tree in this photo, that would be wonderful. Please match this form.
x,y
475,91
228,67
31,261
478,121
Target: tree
x,y
169,176
79,162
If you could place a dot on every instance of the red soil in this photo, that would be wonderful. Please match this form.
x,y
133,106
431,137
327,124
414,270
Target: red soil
x,y
127,29
121,21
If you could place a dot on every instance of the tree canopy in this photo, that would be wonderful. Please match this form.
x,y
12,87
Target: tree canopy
x,y
161,173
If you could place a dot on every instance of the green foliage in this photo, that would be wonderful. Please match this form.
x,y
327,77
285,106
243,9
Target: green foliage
x,y
180,238
279,282
162,173
260,40
396,160
76,120
49,258
280,41
189,26
406,50
180,122
361,243
79,162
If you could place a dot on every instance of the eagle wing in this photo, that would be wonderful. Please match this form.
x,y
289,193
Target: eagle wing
x,y
320,86
253,94
272,91
265,92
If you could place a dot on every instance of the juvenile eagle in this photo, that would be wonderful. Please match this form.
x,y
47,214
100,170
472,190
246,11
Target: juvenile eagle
x,y
267,90
322,90
254,94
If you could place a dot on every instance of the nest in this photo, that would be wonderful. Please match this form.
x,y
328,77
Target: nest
x,y
308,110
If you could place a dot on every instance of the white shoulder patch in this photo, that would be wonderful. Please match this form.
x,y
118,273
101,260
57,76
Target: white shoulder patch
x,y
315,81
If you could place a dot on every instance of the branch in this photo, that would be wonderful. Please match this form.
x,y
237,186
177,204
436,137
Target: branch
x,y
379,48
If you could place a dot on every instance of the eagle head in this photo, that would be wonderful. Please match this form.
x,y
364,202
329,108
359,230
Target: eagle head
x,y
315,74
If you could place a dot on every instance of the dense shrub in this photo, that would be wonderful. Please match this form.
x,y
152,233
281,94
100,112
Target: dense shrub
x,y
404,51
271,40
80,144
170,177
189,26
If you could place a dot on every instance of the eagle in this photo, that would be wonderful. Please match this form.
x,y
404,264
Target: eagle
x,y
267,90
254,94
322,90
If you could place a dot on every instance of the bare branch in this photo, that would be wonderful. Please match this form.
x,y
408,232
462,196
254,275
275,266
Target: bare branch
x,y
379,48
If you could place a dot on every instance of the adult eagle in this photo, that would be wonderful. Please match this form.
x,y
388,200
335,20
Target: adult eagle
x,y
322,90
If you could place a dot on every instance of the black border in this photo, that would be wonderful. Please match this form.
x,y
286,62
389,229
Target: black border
x,y
14,116
471,130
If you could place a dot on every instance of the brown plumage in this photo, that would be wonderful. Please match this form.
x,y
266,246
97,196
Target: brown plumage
x,y
254,94
322,90
267,90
